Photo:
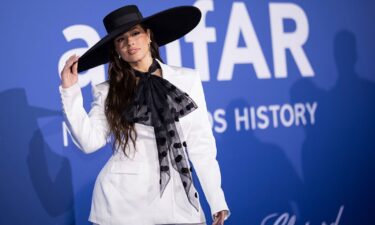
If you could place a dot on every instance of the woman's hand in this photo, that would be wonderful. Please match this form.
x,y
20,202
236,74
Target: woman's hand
x,y
69,74
219,217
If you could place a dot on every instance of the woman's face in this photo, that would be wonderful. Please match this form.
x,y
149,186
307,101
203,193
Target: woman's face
x,y
133,45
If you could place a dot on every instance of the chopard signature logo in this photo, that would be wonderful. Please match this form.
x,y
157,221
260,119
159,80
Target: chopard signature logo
x,y
287,219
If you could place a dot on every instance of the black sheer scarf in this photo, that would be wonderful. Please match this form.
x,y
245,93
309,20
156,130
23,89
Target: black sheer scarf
x,y
160,104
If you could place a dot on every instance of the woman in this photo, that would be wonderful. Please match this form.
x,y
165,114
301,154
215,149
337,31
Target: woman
x,y
157,118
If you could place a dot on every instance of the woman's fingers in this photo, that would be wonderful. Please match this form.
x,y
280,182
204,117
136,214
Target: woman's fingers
x,y
69,75
75,66
219,219
68,64
215,221
72,59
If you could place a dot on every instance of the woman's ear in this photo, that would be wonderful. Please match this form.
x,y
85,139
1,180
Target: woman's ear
x,y
149,34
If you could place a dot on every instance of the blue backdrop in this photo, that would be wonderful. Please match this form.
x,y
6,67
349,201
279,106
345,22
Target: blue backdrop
x,y
289,86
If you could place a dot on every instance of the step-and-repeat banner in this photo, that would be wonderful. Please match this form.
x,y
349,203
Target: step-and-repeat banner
x,y
289,87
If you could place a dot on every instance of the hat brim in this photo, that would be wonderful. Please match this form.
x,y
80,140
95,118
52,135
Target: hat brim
x,y
167,26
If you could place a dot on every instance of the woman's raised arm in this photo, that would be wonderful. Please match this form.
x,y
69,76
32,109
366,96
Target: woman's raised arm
x,y
89,131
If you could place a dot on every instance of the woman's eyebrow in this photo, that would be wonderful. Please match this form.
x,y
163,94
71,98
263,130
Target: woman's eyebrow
x,y
133,28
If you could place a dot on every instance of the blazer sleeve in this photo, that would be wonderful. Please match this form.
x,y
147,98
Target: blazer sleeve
x,y
89,131
202,151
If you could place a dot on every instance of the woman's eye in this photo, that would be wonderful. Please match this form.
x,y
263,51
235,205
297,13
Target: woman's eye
x,y
136,33
120,40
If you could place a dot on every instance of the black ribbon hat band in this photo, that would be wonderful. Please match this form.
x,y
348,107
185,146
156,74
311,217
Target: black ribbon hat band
x,y
119,21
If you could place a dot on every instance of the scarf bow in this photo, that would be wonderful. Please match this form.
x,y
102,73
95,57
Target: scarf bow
x,y
160,104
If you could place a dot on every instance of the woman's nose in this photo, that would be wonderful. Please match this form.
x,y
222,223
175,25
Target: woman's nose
x,y
130,41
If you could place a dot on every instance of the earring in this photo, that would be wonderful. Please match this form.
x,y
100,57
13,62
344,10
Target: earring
x,y
119,56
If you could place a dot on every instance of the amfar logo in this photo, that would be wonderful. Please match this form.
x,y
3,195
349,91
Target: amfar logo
x,y
239,24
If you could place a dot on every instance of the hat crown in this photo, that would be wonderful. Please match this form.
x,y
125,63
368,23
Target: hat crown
x,y
126,15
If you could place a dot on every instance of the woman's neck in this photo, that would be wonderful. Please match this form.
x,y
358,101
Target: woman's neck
x,y
142,65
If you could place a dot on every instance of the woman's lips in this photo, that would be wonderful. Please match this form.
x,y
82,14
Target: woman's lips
x,y
133,50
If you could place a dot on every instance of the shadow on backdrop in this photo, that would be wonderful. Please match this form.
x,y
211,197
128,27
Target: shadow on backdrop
x,y
259,176
28,193
338,153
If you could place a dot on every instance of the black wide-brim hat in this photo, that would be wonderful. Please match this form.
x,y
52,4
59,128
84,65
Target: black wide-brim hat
x,y
167,26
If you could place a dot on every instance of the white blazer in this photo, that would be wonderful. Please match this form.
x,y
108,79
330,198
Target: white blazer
x,y
126,191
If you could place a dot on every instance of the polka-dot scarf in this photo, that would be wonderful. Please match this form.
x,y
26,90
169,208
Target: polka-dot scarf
x,y
160,104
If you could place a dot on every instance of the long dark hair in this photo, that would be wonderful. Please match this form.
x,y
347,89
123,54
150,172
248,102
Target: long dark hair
x,y
122,84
